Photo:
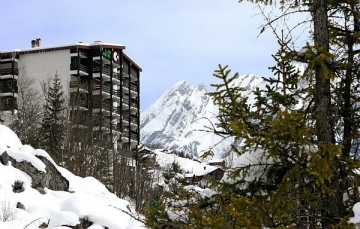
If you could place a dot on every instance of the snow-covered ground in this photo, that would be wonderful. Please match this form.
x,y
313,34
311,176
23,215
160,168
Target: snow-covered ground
x,y
165,159
86,199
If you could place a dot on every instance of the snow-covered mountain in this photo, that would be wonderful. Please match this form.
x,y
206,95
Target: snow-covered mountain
x,y
37,193
176,119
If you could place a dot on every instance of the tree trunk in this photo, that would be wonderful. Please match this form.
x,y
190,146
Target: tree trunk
x,y
323,113
324,125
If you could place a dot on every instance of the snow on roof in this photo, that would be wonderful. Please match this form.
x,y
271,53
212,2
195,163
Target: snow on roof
x,y
165,159
65,46
216,161
206,170
88,197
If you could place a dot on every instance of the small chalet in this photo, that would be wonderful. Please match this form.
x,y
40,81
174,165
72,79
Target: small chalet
x,y
217,162
199,177
189,177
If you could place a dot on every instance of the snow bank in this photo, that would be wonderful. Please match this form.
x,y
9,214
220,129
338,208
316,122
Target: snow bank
x,y
8,139
250,158
87,197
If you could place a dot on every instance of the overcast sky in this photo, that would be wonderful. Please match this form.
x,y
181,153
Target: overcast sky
x,y
171,40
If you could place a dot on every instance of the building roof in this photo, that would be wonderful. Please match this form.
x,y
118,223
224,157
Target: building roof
x,y
69,46
207,169
65,46
216,161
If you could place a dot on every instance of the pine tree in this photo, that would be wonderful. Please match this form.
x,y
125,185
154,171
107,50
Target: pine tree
x,y
53,120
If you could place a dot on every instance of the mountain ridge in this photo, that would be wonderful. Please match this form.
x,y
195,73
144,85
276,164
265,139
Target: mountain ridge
x,y
174,120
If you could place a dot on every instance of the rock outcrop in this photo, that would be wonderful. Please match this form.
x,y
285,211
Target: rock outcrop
x,y
51,179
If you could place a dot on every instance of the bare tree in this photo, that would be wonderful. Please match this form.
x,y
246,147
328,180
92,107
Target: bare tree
x,y
28,118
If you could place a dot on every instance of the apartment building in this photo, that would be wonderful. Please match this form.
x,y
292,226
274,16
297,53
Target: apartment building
x,y
98,79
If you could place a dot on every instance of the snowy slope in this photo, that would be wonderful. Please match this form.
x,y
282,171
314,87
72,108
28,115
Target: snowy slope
x,y
86,199
174,120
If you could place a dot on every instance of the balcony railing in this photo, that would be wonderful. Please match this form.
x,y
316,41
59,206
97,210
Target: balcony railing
x,y
104,88
97,69
134,120
125,133
116,75
134,136
126,75
81,53
104,123
6,106
76,84
134,104
78,103
106,106
106,71
81,67
126,83
117,110
126,100
7,89
134,88
116,92
125,118
9,71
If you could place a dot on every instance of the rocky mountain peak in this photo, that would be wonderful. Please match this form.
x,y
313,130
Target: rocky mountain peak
x,y
176,119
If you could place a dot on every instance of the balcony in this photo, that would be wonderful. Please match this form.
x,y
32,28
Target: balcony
x,y
126,86
128,120
134,88
134,103
134,120
116,92
8,103
74,53
79,105
106,75
125,136
117,75
126,75
126,101
83,70
117,110
9,73
9,59
105,71
105,60
104,123
101,90
5,88
116,78
104,107
125,119
133,136
75,85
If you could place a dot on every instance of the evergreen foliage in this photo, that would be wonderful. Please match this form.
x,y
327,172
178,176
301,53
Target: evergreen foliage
x,y
54,119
